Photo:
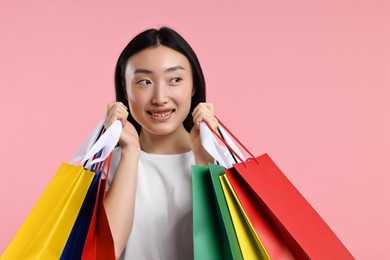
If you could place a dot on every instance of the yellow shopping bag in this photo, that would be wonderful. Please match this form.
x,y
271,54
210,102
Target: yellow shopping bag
x,y
45,231
250,244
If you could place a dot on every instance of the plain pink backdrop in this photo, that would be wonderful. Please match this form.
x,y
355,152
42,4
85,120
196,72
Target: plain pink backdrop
x,y
308,82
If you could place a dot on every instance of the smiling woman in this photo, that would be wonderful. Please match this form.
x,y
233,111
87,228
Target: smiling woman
x,y
159,88
160,92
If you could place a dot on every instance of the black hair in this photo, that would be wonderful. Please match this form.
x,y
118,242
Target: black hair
x,y
169,38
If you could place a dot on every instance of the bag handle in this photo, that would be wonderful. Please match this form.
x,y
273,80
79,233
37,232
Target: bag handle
x,y
105,165
97,166
211,145
228,142
87,144
106,144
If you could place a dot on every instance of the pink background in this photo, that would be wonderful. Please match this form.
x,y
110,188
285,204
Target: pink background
x,y
305,81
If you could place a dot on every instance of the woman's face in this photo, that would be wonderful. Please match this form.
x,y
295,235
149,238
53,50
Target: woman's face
x,y
159,88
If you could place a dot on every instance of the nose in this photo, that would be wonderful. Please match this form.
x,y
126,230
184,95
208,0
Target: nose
x,y
160,95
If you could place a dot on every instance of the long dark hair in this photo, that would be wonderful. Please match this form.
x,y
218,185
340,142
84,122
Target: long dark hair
x,y
153,37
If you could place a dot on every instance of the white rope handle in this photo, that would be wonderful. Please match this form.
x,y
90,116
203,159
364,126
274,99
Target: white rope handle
x,y
107,142
211,145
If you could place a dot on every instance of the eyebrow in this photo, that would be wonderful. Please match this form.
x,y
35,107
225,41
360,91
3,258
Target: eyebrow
x,y
174,69
146,71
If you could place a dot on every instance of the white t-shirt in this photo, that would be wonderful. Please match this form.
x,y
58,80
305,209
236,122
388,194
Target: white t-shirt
x,y
162,227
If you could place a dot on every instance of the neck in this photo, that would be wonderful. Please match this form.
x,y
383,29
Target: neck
x,y
173,143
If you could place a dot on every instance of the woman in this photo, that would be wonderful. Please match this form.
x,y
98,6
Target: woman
x,y
160,100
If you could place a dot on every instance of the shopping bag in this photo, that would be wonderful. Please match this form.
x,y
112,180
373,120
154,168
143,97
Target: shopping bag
x,y
250,244
93,238
214,211
301,227
225,220
210,241
273,244
46,230
272,241
99,243
76,240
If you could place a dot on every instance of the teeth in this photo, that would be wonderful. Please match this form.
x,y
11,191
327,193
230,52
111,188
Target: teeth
x,y
162,114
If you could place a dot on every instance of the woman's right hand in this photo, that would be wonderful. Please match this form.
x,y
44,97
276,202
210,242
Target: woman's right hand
x,y
129,139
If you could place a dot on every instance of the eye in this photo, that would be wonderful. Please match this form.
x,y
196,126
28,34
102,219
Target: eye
x,y
144,82
175,80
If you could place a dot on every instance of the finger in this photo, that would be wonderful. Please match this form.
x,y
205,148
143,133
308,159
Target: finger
x,y
206,117
110,105
117,112
115,105
123,118
120,114
199,110
210,120
201,117
108,121
120,109
210,107
197,117
206,107
123,106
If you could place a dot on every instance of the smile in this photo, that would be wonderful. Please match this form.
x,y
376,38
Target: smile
x,y
162,114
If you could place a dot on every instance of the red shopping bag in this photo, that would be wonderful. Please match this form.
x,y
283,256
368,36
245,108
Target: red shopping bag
x,y
283,206
273,242
99,244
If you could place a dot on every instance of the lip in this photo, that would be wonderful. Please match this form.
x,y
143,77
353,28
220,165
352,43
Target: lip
x,y
161,114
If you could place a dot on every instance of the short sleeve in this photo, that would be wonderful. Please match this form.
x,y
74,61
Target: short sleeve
x,y
116,156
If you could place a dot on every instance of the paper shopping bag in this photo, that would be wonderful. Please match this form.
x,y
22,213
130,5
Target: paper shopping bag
x,y
306,233
224,219
301,227
75,243
272,242
47,228
250,244
213,231
99,243
208,236
44,233
270,237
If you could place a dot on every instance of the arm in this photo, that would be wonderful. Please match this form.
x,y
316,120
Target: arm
x,y
120,199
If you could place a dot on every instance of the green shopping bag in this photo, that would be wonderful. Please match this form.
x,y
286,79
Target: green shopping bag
x,y
214,235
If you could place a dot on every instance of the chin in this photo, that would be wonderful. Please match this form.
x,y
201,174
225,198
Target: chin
x,y
162,129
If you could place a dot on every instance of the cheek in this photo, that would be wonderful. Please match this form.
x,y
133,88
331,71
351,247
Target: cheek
x,y
184,99
136,95
136,103
183,93
135,106
189,95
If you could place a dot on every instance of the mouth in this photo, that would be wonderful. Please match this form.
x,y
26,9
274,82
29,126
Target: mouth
x,y
161,115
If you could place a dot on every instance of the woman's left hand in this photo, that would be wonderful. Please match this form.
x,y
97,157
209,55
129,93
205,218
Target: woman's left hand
x,y
202,112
